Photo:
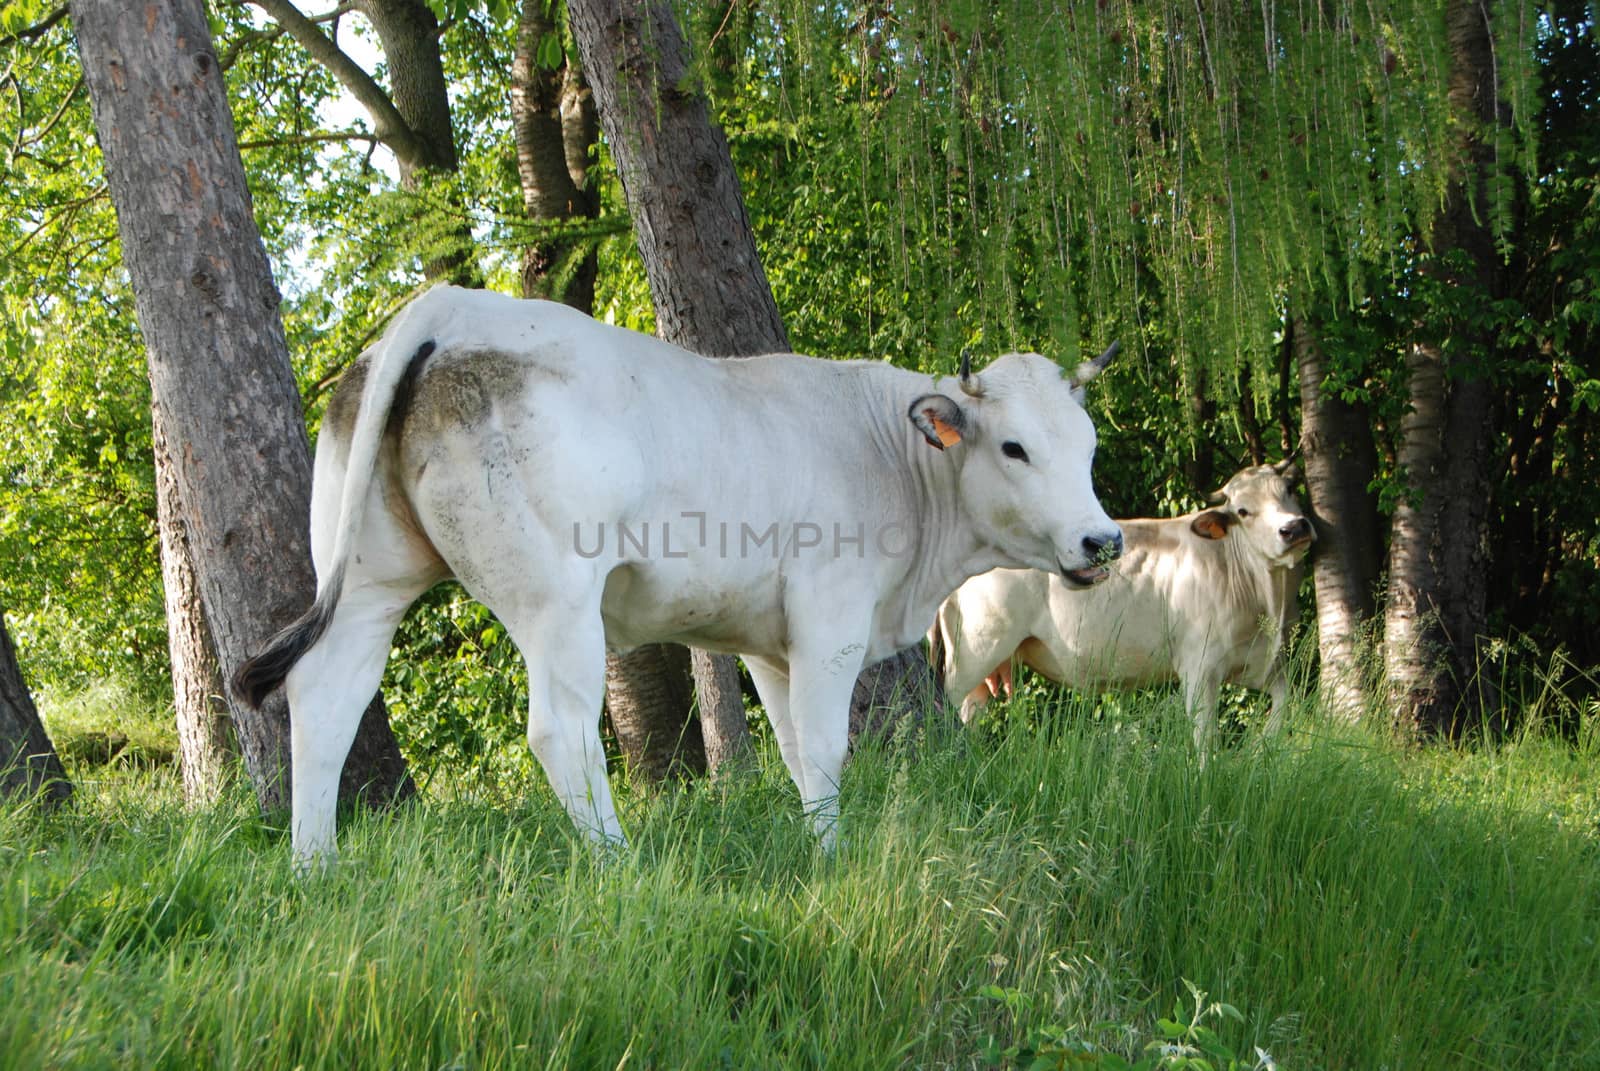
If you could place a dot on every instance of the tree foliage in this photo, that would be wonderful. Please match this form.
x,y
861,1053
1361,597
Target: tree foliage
x,y
923,175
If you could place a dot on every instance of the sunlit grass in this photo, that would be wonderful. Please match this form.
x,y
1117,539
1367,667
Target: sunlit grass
x,y
1362,905
108,724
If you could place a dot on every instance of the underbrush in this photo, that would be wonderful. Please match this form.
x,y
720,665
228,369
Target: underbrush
x,y
1047,888
109,724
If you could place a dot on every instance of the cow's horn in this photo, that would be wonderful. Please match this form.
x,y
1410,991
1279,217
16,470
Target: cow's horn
x,y
1089,369
971,385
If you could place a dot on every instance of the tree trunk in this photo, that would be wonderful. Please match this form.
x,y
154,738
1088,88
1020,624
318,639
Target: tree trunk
x,y
710,292
893,696
554,124
206,747
648,692
29,765
1340,461
409,33
1437,611
727,747
412,118
219,370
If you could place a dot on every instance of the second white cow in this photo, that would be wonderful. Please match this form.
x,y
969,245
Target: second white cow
x,y
1205,598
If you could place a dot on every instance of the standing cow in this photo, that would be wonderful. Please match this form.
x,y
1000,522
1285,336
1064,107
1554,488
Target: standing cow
x,y
596,486
1204,598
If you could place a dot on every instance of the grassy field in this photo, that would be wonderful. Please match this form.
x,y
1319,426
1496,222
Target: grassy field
x,y
1000,895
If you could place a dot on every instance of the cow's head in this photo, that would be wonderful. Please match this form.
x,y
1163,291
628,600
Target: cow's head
x,y
1024,480
1259,505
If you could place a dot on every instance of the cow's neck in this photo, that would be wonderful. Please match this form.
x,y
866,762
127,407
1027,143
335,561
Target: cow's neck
x,y
1275,589
943,550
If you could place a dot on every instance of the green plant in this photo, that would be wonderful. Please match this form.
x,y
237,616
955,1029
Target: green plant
x,y
1183,1041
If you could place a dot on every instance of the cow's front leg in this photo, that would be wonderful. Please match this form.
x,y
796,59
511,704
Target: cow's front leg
x,y
1278,689
822,675
1200,688
772,685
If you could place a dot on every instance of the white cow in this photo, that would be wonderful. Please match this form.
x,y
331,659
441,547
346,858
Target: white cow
x,y
596,486
1204,598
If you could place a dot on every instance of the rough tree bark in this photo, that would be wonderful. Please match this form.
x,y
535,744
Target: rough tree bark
x,y
710,292
219,369
555,127
1340,460
1437,601
206,747
29,765
649,691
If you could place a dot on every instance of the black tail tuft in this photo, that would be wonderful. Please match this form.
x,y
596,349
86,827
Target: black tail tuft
x,y
258,676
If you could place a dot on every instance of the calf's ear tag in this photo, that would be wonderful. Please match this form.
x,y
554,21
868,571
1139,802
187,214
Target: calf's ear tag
x,y
1212,524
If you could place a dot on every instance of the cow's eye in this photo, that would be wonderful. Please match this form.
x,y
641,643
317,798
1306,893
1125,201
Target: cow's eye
x,y
1243,513
1014,450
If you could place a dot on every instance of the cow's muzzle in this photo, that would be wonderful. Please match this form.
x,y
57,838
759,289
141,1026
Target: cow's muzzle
x,y
1297,533
1101,550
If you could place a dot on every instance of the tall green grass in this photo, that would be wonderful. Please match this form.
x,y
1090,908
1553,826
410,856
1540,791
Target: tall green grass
x,y
1363,906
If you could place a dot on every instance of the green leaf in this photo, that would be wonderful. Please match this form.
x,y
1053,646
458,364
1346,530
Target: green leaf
x,y
550,54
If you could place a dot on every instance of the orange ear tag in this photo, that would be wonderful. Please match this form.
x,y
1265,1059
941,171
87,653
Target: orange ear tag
x,y
948,435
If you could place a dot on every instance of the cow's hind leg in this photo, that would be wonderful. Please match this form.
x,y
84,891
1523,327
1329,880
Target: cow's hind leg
x,y
563,644
328,689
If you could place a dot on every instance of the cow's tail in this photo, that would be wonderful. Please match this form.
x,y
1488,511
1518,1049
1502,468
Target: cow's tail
x,y
398,356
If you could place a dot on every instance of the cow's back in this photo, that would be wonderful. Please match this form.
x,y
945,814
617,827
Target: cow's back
x,y
687,479
1175,602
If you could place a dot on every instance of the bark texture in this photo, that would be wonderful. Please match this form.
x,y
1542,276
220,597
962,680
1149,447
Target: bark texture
x,y
648,694
1437,606
1340,460
711,294
894,696
726,744
206,747
555,127
219,370
29,765
409,33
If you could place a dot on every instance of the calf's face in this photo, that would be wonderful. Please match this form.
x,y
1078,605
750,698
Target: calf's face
x,y
1258,505
1025,483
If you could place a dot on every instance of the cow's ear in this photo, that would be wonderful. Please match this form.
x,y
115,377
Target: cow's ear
x,y
1212,524
941,421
